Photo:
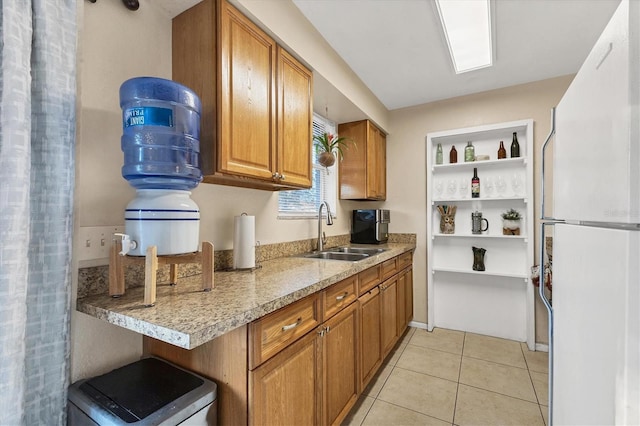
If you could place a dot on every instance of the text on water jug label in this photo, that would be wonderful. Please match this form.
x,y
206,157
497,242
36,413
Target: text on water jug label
x,y
148,116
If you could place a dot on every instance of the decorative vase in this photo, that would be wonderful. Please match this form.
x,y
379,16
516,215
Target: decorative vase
x,y
447,219
510,227
327,159
478,258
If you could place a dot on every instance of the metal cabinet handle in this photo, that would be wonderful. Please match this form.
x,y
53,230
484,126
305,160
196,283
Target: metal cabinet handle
x,y
282,177
342,296
292,325
275,175
323,331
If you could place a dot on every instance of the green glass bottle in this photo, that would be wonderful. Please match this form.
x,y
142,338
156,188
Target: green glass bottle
x,y
439,154
515,146
469,152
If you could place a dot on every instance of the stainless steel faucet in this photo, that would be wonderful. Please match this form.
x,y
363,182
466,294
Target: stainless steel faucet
x,y
321,237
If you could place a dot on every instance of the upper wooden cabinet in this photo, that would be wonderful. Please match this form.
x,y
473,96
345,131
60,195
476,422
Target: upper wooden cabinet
x,y
295,120
363,170
247,129
256,99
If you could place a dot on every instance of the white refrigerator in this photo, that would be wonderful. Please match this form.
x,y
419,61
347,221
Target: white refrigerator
x,y
595,327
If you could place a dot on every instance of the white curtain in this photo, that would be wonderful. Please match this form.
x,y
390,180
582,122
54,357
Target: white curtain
x,y
37,137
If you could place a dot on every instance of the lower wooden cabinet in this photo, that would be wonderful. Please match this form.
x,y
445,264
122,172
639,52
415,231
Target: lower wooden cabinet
x,y
339,365
307,363
313,381
408,301
401,317
404,302
388,301
284,390
370,346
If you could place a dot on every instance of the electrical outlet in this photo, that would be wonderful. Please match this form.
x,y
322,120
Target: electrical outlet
x,y
94,242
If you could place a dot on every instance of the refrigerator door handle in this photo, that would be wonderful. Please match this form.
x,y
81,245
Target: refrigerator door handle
x,y
547,304
552,132
544,221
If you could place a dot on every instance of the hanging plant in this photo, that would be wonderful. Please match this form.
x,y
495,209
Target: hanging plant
x,y
328,146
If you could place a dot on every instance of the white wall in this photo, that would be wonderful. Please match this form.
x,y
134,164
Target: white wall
x,y
406,159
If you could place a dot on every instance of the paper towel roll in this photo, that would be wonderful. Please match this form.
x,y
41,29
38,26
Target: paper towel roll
x,y
244,242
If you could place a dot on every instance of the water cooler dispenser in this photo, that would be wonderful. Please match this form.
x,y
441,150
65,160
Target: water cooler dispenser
x,y
160,142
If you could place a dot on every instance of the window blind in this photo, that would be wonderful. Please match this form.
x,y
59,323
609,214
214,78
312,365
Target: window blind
x,y
304,203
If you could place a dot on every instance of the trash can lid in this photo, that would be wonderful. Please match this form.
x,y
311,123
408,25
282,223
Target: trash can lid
x,y
141,389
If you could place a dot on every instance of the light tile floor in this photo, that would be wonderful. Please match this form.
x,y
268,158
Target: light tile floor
x,y
450,377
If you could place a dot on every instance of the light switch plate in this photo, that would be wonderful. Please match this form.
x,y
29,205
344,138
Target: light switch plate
x,y
94,242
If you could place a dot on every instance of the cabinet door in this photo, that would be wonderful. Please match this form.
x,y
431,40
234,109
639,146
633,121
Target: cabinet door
x,y
284,390
352,168
376,164
408,296
247,98
340,362
371,165
401,303
404,302
370,348
381,162
388,301
295,121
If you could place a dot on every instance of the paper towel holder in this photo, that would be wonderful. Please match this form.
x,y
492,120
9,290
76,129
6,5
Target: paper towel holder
x,y
249,263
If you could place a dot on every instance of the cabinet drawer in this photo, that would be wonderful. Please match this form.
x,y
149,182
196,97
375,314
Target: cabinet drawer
x,y
389,268
368,279
339,296
272,333
404,260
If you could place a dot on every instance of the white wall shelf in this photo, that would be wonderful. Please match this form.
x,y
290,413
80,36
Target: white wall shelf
x,y
459,297
456,200
485,273
481,236
479,164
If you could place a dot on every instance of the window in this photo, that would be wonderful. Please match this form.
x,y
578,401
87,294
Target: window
x,y
303,204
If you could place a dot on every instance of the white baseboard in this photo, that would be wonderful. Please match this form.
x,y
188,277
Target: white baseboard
x,y
542,347
417,324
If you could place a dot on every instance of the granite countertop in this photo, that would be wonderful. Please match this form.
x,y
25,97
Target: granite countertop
x,y
187,317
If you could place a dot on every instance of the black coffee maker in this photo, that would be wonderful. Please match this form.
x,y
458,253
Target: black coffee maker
x,y
370,226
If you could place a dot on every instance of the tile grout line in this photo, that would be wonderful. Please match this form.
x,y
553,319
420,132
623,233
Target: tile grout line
x,y
498,363
455,404
501,394
532,384
412,410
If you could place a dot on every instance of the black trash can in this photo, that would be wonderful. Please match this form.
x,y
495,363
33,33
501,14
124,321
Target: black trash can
x,y
147,392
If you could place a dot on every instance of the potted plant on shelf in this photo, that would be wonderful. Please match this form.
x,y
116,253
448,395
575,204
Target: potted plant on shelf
x,y
327,146
511,222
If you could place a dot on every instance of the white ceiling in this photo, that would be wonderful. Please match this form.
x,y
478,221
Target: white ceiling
x,y
398,50
174,8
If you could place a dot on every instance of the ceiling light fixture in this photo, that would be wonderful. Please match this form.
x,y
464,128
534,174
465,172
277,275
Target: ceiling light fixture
x,y
467,29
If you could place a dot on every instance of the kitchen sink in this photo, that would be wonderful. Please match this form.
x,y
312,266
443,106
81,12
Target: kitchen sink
x,y
331,255
367,251
349,254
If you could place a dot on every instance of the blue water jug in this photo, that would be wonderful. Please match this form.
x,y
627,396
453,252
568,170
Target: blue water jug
x,y
161,131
